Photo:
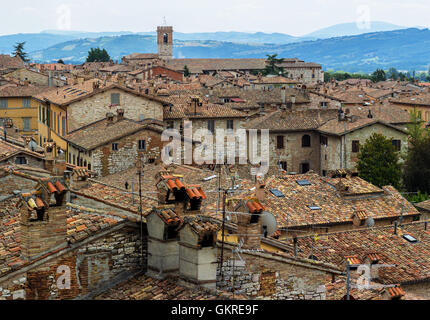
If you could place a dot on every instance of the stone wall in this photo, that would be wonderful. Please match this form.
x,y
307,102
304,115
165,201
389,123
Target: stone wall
x,y
261,277
11,182
95,108
92,268
106,161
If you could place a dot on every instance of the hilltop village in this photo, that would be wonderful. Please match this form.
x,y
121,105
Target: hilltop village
x,y
89,209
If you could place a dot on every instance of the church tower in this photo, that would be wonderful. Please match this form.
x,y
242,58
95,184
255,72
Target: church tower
x,y
165,42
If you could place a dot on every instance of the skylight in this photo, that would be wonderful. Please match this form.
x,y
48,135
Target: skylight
x,y
277,193
303,183
409,238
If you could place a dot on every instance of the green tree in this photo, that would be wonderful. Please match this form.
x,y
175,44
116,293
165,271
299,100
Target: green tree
x,y
98,55
416,173
186,71
19,51
379,75
61,61
392,74
273,67
378,162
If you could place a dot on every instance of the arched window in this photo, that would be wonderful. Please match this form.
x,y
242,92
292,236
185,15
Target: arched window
x,y
165,38
306,141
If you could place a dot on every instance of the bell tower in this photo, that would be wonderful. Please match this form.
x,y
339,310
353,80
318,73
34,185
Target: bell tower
x,y
165,42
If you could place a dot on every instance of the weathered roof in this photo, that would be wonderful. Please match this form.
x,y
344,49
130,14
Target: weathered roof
x,y
147,288
410,260
66,95
292,120
335,200
102,132
337,127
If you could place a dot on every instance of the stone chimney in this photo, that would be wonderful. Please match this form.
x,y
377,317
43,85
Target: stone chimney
x,y
198,253
163,224
43,219
283,95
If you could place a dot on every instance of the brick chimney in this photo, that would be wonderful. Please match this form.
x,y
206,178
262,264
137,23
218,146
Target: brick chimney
x,y
187,199
249,224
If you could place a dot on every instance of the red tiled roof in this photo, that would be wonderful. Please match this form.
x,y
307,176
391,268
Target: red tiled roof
x,y
396,292
51,188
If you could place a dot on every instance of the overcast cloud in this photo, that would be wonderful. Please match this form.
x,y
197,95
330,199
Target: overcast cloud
x,y
285,16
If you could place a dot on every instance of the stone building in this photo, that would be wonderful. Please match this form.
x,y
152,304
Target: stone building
x,y
12,154
321,139
66,109
113,144
36,78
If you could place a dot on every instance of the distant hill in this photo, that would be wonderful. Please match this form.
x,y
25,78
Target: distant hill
x,y
230,36
351,29
33,41
406,49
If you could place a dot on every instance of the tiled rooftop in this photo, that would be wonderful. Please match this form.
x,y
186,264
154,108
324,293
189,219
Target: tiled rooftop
x,y
333,206
146,288
101,132
411,260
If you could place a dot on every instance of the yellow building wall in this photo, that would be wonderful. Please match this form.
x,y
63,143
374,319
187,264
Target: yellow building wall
x,y
424,111
56,125
16,111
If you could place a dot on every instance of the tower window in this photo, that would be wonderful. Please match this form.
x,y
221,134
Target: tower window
x,y
165,38
142,144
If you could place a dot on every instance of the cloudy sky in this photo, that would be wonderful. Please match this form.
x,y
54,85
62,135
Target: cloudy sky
x,y
286,16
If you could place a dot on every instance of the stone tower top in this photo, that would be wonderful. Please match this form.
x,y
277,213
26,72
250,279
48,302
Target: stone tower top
x,y
165,42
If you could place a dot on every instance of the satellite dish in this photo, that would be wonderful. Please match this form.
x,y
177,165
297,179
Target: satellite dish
x,y
268,223
370,222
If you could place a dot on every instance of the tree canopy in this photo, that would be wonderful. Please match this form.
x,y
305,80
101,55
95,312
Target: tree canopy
x,y
186,71
273,67
379,75
98,55
416,173
379,162
19,51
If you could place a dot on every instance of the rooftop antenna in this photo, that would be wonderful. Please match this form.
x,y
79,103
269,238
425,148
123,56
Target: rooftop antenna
x,y
164,21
